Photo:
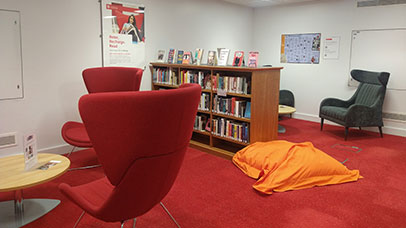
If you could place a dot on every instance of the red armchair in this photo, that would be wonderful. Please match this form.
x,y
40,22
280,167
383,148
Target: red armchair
x,y
140,140
101,79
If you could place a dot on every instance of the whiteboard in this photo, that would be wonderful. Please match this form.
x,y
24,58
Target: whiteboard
x,y
380,50
10,55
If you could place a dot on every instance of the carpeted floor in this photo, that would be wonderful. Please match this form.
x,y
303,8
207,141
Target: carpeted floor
x,y
212,192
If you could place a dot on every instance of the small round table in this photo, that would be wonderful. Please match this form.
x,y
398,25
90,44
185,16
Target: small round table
x,y
13,177
283,110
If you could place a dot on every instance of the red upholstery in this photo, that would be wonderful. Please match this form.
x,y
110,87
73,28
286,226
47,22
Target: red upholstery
x,y
140,140
104,79
101,79
75,134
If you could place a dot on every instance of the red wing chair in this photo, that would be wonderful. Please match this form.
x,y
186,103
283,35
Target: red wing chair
x,y
140,140
100,79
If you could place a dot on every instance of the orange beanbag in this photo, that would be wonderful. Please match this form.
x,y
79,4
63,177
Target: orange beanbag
x,y
281,166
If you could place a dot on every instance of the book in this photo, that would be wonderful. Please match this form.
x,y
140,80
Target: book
x,y
211,58
223,54
247,113
198,56
179,58
187,57
253,59
161,54
171,55
238,58
208,125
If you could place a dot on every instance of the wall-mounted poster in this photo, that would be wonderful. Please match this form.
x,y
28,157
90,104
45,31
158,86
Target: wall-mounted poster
x,y
123,34
300,48
331,47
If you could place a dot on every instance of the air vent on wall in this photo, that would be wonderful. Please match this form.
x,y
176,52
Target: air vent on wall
x,y
365,3
7,140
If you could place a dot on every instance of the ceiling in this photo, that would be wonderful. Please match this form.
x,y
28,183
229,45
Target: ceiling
x,y
262,3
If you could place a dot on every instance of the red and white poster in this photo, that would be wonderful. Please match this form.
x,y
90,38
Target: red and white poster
x,y
123,34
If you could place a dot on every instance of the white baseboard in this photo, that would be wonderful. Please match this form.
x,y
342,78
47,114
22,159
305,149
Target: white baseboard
x,y
60,149
392,127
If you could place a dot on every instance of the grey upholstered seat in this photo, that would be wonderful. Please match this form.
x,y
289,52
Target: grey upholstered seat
x,y
286,97
364,108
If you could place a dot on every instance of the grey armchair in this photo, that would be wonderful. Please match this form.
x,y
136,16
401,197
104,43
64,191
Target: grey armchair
x,y
364,108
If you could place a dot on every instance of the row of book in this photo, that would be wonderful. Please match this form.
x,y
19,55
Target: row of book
x,y
223,127
239,85
204,102
165,76
214,58
233,106
170,77
231,129
202,123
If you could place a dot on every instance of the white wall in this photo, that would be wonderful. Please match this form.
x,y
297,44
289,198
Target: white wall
x,y
61,38
312,83
191,24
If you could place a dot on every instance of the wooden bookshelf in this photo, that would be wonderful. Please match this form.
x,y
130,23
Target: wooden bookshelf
x,y
263,96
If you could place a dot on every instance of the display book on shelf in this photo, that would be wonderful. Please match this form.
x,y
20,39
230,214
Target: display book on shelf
x,y
239,105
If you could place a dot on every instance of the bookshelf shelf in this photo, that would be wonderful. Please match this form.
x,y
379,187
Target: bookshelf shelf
x,y
201,132
257,88
166,85
237,95
203,111
230,140
231,117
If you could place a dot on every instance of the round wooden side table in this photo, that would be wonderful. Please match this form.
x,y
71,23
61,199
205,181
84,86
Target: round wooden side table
x,y
13,177
284,110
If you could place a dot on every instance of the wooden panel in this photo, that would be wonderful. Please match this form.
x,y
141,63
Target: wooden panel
x,y
211,150
264,106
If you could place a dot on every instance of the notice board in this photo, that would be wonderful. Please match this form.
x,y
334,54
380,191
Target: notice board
x,y
10,55
300,48
380,50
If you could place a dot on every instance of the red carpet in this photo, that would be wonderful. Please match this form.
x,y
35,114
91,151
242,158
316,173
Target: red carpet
x,y
212,192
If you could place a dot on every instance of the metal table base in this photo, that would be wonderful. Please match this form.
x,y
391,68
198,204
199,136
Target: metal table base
x,y
14,214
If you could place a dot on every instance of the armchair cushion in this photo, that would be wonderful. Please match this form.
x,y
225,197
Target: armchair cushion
x,y
334,112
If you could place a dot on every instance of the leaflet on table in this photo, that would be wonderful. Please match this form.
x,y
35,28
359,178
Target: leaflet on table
x,y
49,164
30,151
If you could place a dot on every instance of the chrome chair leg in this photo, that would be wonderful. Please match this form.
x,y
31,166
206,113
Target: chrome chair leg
x,y
173,219
135,219
85,167
123,222
77,222
71,151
